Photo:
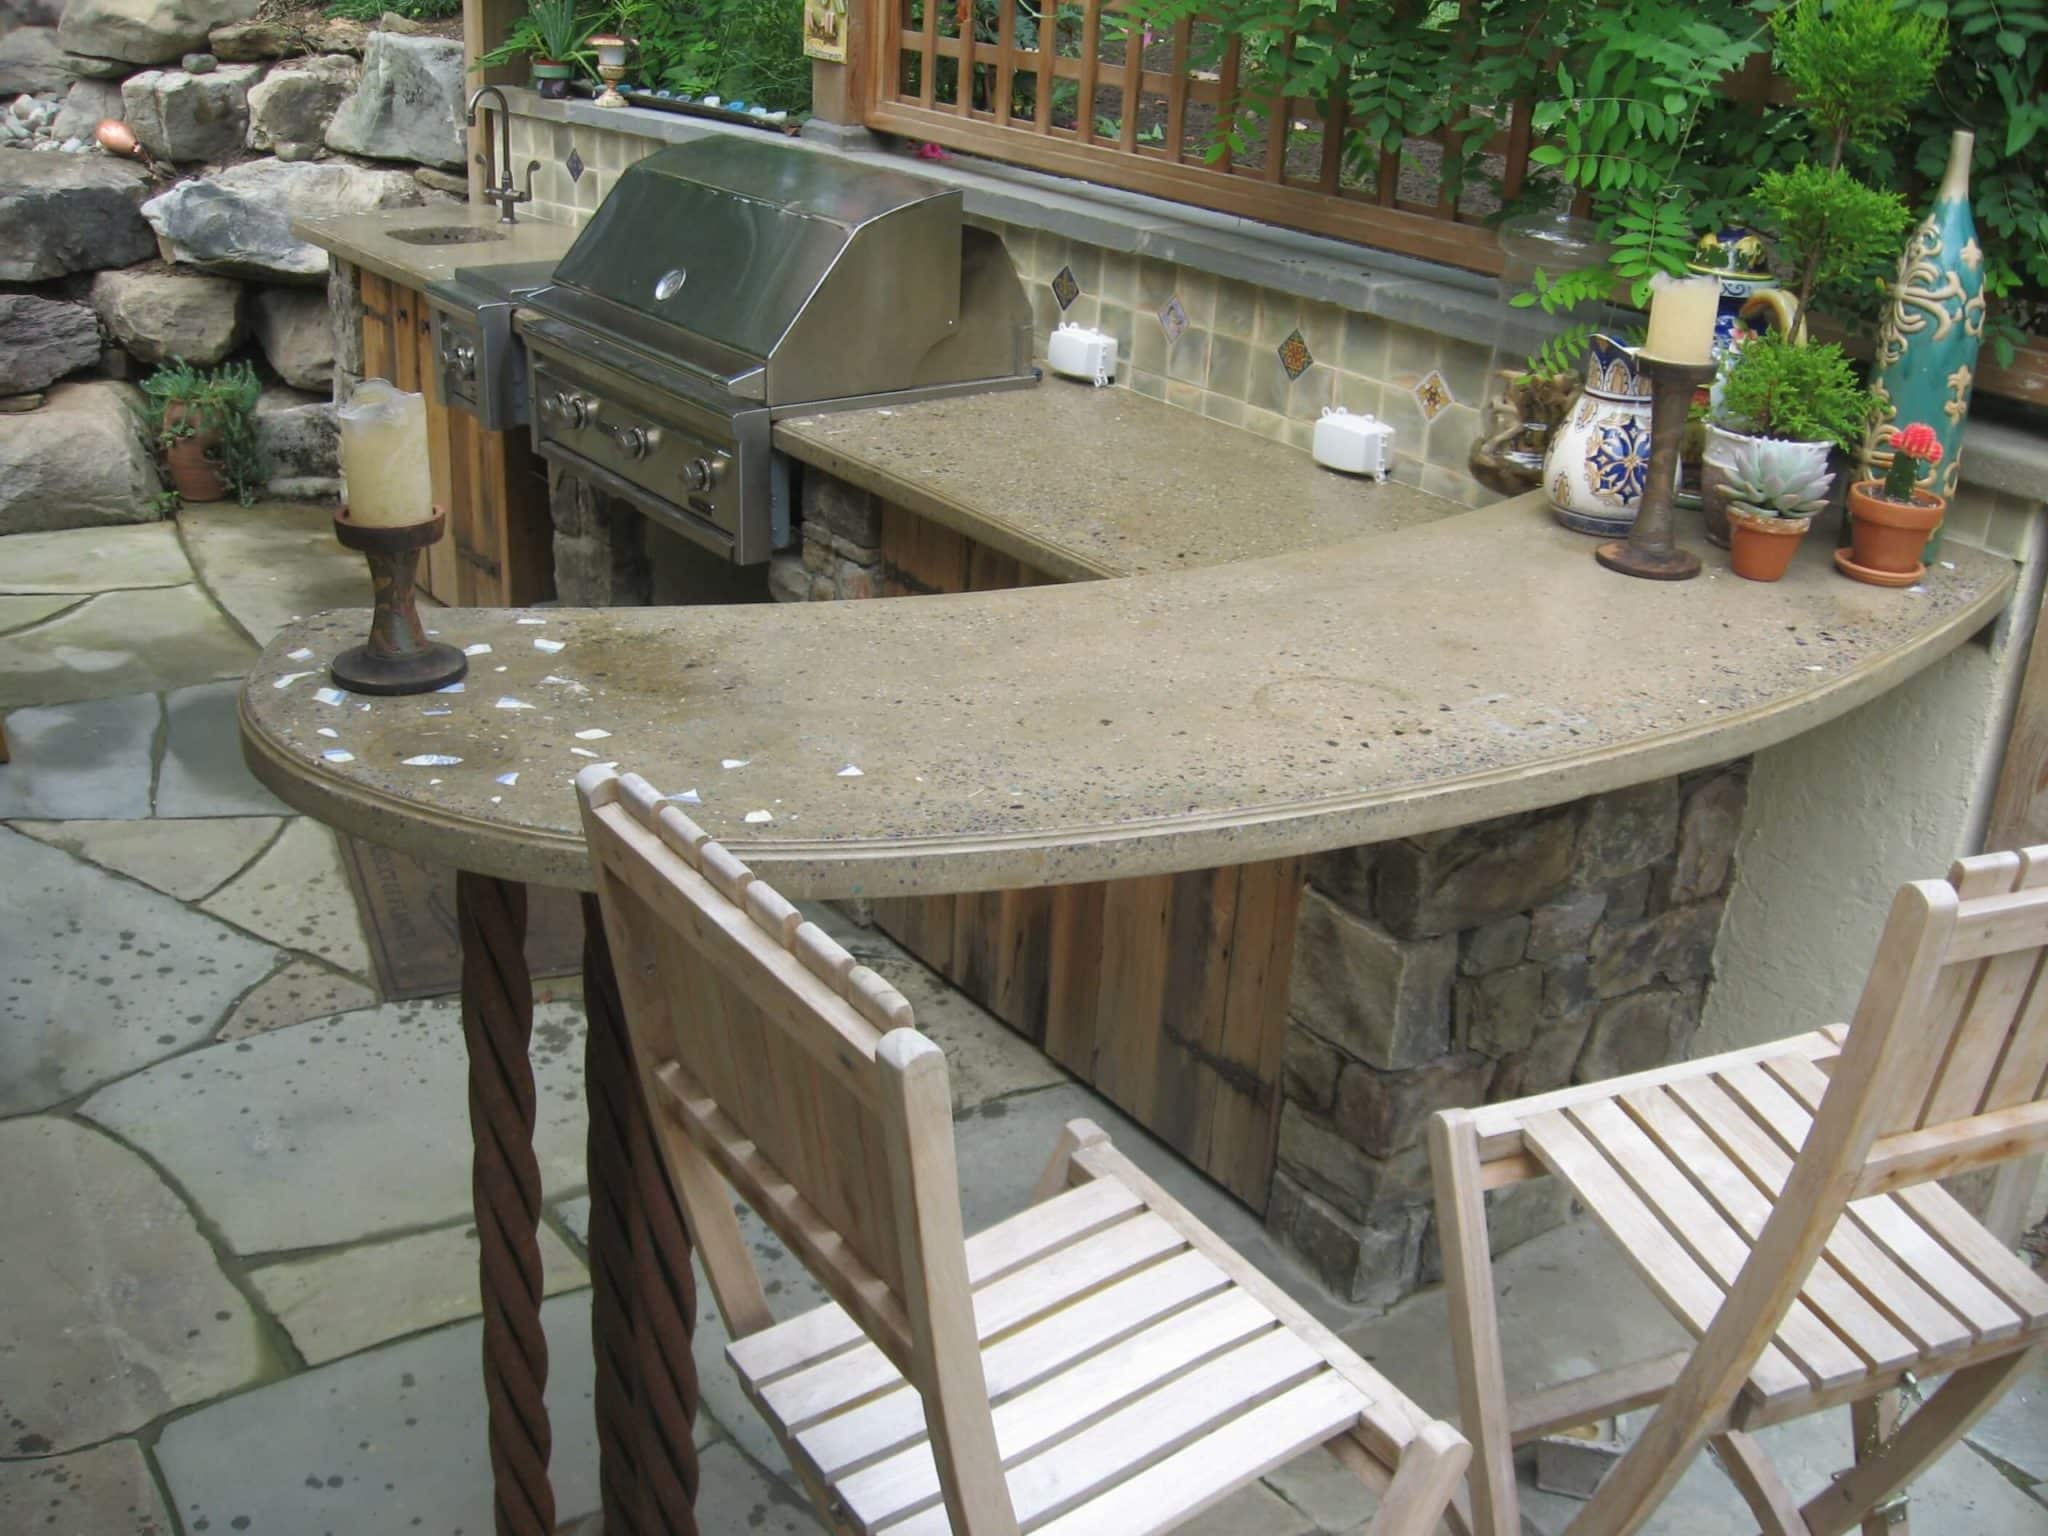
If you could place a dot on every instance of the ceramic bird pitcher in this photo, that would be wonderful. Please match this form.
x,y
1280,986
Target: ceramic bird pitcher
x,y
1599,457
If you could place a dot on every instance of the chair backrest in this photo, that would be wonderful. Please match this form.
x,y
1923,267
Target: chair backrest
x,y
792,1069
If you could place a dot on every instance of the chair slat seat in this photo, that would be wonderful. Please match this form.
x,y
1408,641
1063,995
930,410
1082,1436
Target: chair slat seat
x,y
1094,1382
1682,1173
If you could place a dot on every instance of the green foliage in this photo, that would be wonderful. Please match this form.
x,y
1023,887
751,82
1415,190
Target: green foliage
x,y
553,31
1857,65
1776,479
1833,230
1805,394
412,10
747,50
219,400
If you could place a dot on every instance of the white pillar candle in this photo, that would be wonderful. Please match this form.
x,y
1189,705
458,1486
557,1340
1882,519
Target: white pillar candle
x,y
1682,319
385,479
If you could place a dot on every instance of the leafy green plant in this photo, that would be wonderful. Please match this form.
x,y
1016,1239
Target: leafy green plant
x,y
219,400
747,50
551,32
1802,393
411,10
1835,231
1857,66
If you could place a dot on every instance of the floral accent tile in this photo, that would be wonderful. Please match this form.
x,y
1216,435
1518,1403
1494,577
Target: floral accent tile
x,y
573,165
1433,394
1173,320
1065,288
1295,356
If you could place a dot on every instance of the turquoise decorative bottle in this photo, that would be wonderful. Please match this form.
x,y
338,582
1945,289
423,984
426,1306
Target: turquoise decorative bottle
x,y
1933,325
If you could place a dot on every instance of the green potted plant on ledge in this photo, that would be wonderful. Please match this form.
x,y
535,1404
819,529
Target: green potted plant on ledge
x,y
1774,489
1805,397
552,36
1891,520
203,423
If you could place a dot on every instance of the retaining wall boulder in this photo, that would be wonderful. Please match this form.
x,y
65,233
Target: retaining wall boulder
x,y
79,462
239,222
70,213
42,340
146,31
295,329
296,101
157,313
409,104
190,117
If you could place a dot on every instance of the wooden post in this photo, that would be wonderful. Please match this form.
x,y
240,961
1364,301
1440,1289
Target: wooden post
x,y
485,24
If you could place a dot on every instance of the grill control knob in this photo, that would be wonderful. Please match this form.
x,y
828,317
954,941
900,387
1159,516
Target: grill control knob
x,y
633,442
571,410
462,360
698,475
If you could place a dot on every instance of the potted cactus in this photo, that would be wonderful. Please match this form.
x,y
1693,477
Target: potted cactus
x,y
1891,520
1773,490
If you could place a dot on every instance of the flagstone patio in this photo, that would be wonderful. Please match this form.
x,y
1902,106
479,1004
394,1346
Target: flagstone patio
x,y
234,1240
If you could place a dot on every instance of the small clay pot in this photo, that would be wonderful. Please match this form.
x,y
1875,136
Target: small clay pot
x,y
194,474
1889,535
1761,548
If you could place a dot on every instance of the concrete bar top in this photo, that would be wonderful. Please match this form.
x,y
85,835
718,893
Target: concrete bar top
x,y
1466,668
1082,482
366,239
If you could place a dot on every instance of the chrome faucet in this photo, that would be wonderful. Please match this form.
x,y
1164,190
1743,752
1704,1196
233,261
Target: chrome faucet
x,y
503,194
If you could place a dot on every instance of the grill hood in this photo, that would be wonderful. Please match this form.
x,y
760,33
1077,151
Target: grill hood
x,y
782,276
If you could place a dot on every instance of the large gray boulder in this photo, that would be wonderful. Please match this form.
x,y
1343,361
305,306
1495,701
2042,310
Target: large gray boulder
x,y
239,222
41,340
185,117
299,438
79,462
86,105
157,313
70,213
146,31
409,104
295,102
29,13
32,60
295,328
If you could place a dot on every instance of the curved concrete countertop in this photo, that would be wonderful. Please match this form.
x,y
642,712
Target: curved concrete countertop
x,y
1466,668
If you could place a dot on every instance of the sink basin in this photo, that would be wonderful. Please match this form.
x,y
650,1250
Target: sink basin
x,y
446,234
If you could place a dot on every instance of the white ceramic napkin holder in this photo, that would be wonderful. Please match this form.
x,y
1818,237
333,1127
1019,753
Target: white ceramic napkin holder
x,y
1357,445
1079,353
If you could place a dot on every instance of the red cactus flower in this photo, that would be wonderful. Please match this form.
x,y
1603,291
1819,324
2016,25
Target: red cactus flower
x,y
1917,441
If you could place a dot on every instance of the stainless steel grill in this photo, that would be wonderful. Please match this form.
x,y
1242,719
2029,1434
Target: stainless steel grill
x,y
728,282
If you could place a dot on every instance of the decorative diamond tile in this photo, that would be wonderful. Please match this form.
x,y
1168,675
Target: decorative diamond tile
x,y
1064,288
573,165
1433,394
1173,320
1295,356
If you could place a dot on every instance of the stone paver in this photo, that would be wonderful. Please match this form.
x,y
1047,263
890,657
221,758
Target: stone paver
x,y
122,642
385,1442
301,990
738,1496
74,760
297,895
354,1127
185,859
342,1302
19,612
2016,1430
99,976
106,1491
116,1310
203,773
984,1059
273,562
95,560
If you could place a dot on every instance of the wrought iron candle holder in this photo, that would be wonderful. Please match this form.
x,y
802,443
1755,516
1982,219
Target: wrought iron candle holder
x,y
1651,550
398,657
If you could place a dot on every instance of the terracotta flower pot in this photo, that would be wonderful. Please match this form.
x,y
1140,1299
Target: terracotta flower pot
x,y
194,474
1761,548
1889,535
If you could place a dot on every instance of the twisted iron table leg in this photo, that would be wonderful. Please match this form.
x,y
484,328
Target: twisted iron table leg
x,y
497,1025
644,1311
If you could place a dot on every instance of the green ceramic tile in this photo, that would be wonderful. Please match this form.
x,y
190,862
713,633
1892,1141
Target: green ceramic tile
x,y
1363,348
1465,367
1269,385
1186,396
1237,309
1148,384
1307,395
1119,278
1278,314
1022,244
1188,360
1230,366
1359,396
1322,327
1301,434
1409,351
1086,262
1197,291
1450,436
1223,408
1400,410
1148,343
1156,281
1268,424
1117,321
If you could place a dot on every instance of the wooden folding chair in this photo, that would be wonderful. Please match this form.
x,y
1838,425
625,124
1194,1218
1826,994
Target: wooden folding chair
x,y
1778,1201
1100,1363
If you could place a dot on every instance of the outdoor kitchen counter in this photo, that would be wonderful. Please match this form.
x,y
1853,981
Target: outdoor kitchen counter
x,y
367,240
1463,669
1079,482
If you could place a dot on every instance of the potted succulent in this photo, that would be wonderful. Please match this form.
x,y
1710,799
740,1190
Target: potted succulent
x,y
1775,387
553,37
203,422
1773,489
1891,520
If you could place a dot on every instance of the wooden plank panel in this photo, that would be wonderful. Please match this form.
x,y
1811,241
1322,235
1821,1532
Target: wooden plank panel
x,y
1073,979
1246,1118
1135,915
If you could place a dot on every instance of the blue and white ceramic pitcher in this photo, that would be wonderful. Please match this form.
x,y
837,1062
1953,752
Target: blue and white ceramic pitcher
x,y
1599,458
